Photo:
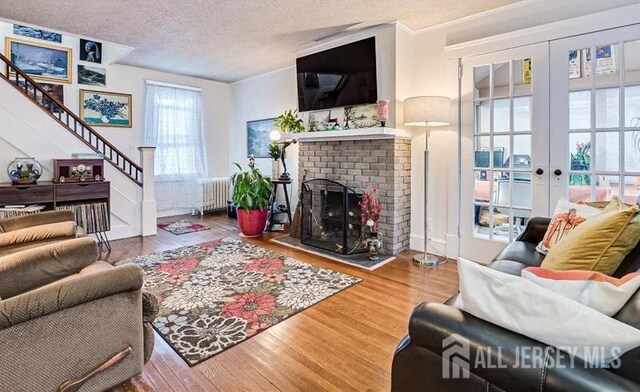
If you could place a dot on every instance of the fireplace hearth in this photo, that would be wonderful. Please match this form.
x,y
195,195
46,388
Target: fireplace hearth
x,y
331,217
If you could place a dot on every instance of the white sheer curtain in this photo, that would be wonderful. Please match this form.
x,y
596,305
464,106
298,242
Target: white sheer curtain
x,y
173,124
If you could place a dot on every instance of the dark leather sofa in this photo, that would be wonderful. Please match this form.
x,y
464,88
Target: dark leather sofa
x,y
417,363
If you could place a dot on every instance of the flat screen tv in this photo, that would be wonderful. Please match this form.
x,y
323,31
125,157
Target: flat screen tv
x,y
337,77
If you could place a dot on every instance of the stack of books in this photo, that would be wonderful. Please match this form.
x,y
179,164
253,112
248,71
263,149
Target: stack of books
x,y
11,211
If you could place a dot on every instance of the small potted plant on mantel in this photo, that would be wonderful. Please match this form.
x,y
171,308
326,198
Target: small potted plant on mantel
x,y
289,122
252,193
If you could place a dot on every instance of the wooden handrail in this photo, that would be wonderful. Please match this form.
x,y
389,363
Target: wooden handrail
x,y
128,168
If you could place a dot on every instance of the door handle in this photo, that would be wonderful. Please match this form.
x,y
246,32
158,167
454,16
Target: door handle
x,y
557,172
539,171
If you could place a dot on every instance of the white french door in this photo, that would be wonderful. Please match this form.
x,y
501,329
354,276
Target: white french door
x,y
505,147
595,116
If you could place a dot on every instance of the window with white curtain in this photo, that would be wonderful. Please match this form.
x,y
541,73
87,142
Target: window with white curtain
x,y
174,125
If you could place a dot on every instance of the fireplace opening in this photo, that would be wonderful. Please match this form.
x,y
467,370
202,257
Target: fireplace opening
x,y
331,217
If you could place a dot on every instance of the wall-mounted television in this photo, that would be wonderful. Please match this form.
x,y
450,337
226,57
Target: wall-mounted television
x,y
337,77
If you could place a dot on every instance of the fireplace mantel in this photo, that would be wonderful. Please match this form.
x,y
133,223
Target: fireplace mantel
x,y
349,134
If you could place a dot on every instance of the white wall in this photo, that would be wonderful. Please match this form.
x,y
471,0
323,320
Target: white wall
x,y
130,80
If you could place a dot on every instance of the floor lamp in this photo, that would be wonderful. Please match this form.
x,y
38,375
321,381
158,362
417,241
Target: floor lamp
x,y
427,111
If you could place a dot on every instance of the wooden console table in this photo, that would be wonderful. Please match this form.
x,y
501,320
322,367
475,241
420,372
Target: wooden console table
x,y
90,202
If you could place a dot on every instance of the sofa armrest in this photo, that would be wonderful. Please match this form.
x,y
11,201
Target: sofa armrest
x,y
432,323
535,230
51,231
68,293
28,269
31,220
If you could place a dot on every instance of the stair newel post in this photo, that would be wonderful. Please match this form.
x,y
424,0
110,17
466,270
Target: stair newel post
x,y
149,207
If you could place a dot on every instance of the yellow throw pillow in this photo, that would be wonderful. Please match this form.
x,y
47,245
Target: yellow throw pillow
x,y
599,244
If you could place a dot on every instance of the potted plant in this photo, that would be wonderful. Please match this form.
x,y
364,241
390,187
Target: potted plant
x,y
275,153
252,194
289,122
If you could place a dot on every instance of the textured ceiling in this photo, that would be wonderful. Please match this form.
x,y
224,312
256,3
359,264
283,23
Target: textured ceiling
x,y
228,40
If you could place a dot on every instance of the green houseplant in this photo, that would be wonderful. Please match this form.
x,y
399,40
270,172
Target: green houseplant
x,y
289,122
275,153
252,193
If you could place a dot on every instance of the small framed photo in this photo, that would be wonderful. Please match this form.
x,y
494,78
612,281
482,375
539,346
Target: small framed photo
x,y
258,140
105,109
319,120
90,51
92,76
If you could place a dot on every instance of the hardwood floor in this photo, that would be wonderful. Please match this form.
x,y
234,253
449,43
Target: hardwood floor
x,y
344,343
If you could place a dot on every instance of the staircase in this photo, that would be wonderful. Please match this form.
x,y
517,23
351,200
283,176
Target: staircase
x,y
134,209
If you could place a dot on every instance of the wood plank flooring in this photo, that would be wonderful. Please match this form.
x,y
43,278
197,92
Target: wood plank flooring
x,y
344,343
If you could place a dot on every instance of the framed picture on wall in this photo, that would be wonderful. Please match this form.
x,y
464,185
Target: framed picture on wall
x,y
90,51
319,120
31,32
40,61
258,140
92,76
105,109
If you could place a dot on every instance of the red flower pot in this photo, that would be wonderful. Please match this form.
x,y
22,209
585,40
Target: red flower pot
x,y
252,223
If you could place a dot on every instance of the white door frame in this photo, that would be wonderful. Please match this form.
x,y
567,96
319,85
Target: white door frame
x,y
472,247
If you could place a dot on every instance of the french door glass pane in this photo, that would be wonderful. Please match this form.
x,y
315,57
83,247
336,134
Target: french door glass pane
x,y
481,81
607,187
607,151
632,106
580,151
482,151
580,110
521,188
522,152
522,77
579,62
608,108
481,188
522,114
483,117
607,65
632,61
501,80
501,151
632,151
632,189
501,115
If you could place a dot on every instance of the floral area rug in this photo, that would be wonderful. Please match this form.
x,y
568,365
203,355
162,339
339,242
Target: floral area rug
x,y
217,294
183,226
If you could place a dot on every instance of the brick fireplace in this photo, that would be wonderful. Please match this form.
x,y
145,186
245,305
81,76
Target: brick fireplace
x,y
381,160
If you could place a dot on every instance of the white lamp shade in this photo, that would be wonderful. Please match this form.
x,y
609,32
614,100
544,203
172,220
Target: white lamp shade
x,y
275,135
432,110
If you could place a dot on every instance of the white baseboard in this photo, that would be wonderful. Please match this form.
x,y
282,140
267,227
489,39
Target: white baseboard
x,y
436,246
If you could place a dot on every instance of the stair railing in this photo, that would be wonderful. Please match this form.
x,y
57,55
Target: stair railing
x,y
69,120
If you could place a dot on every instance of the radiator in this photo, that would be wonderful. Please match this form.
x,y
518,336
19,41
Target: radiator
x,y
212,194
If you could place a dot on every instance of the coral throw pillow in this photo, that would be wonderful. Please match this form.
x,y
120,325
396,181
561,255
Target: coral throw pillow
x,y
599,244
596,290
566,217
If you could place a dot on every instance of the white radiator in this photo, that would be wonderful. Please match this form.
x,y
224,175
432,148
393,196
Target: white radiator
x,y
212,194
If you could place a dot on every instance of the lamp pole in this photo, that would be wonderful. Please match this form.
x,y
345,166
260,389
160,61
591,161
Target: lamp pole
x,y
426,259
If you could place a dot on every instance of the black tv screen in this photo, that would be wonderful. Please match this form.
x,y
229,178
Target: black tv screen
x,y
341,76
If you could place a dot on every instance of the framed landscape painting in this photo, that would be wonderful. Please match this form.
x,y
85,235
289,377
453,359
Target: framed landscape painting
x,y
258,137
105,109
31,32
92,76
40,61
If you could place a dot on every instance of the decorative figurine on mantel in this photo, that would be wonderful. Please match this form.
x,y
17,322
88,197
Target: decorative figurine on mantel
x,y
370,210
383,111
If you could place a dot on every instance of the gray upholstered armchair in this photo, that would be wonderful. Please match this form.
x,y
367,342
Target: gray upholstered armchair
x,y
67,319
